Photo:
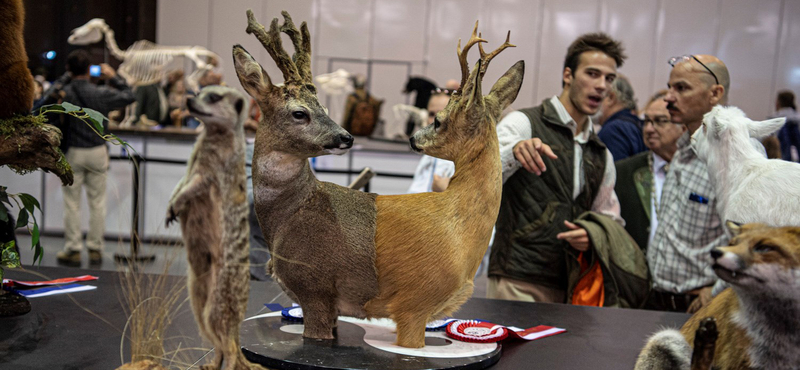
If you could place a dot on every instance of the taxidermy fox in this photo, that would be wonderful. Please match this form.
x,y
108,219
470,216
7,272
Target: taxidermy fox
x,y
758,318
16,96
211,204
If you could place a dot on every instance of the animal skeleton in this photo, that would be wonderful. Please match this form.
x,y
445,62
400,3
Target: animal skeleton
x,y
144,62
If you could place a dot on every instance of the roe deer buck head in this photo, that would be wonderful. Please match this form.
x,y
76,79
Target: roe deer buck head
x,y
293,121
469,115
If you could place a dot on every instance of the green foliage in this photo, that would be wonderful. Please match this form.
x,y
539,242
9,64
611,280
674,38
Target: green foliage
x,y
9,257
27,204
91,117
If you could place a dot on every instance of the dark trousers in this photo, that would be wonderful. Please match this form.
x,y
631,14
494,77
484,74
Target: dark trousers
x,y
789,136
664,301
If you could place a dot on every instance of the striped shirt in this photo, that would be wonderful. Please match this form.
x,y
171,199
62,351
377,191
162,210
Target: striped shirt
x,y
688,226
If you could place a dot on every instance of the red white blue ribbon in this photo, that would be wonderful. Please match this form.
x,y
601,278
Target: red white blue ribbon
x,y
486,332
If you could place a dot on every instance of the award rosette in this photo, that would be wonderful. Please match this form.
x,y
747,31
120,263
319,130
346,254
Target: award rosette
x,y
292,313
486,332
438,325
476,331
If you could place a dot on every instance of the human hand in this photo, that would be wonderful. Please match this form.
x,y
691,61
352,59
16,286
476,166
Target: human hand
x,y
106,71
440,183
703,297
577,237
529,154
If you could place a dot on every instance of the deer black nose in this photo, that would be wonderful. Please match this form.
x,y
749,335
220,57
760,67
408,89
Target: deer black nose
x,y
413,144
716,253
346,139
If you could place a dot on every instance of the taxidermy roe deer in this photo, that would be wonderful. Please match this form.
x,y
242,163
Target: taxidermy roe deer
x,y
320,234
429,245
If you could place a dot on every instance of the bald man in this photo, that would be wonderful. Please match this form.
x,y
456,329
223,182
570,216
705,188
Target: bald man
x,y
689,226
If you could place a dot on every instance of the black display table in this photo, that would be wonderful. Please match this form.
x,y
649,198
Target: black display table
x,y
83,330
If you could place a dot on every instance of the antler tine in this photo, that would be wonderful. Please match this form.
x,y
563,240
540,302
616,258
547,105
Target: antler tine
x,y
486,58
272,42
302,46
462,54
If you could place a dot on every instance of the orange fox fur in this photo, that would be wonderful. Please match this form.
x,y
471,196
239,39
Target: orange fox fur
x,y
758,319
16,95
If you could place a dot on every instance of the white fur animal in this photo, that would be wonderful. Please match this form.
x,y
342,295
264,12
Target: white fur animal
x,y
750,187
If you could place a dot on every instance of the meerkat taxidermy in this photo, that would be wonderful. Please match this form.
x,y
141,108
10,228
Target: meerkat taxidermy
x,y
211,204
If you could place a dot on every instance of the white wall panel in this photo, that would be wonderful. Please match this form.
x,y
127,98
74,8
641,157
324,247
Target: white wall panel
x,y
524,20
229,22
787,75
564,21
754,25
399,30
449,21
183,22
634,23
684,27
345,28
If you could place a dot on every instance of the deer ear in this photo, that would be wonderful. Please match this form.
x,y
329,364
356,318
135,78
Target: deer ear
x,y
760,130
506,89
252,76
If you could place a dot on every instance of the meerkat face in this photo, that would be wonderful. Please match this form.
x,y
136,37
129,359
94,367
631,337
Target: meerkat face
x,y
218,105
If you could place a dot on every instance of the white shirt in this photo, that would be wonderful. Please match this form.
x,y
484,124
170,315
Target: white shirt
x,y
516,127
659,175
427,167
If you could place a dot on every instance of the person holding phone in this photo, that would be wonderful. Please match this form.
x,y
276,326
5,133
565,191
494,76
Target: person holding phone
x,y
85,151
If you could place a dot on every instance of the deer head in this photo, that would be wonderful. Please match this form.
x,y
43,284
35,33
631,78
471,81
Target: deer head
x,y
89,33
293,121
470,116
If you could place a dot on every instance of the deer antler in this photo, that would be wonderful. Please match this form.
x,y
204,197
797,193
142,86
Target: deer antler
x,y
272,42
462,55
302,46
486,58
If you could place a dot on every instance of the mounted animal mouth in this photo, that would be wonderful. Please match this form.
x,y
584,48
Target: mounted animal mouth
x,y
194,110
731,276
414,146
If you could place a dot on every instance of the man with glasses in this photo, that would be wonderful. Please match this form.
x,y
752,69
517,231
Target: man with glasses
x,y
640,178
688,224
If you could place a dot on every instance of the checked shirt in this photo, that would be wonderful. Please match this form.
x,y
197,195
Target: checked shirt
x,y
688,226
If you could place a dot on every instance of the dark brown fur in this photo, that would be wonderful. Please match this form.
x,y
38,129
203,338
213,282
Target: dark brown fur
x,y
16,95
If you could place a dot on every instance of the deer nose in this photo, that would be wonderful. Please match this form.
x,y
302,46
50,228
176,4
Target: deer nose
x,y
347,139
716,253
413,144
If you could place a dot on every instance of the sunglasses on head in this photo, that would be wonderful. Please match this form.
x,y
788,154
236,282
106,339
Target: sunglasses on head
x,y
675,60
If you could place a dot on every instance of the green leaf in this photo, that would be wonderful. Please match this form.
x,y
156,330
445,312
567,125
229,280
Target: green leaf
x,y
52,107
22,219
69,107
10,257
96,118
37,253
2,273
29,202
35,235
3,213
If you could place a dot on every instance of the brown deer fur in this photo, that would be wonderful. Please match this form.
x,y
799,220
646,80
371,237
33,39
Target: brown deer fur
x,y
16,96
211,204
320,235
426,248
429,245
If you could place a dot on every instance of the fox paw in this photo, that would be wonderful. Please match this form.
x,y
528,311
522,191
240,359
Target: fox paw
x,y
706,333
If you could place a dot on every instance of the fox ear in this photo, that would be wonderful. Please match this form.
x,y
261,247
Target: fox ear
x,y
734,227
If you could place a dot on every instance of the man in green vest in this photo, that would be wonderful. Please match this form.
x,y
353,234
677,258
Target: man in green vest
x,y
572,173
640,178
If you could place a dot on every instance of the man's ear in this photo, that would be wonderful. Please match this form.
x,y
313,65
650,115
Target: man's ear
x,y
566,76
252,76
717,93
760,130
506,89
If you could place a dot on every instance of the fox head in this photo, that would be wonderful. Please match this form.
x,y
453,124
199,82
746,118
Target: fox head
x,y
761,257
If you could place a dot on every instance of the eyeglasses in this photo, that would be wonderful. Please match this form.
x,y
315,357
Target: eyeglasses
x,y
675,60
657,122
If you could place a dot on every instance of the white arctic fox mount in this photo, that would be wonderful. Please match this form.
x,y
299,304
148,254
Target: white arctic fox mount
x,y
749,187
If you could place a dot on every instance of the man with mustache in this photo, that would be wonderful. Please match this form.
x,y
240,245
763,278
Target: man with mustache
x,y
688,224
640,178
558,182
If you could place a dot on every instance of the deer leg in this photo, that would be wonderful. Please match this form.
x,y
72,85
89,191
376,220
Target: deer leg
x,y
319,317
705,340
411,330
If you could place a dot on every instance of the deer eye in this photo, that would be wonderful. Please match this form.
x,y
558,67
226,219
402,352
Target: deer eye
x,y
213,98
298,114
